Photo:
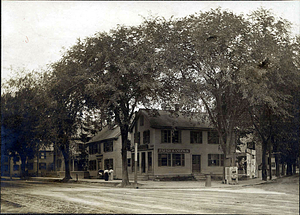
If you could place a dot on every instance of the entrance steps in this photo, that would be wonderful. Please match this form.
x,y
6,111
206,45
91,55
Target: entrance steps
x,y
199,176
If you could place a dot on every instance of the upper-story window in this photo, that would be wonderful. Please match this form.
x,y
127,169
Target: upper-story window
x,y
166,136
142,120
213,137
146,137
137,138
42,155
108,146
196,136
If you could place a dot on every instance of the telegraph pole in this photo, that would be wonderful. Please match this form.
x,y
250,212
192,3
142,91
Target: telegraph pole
x,y
135,165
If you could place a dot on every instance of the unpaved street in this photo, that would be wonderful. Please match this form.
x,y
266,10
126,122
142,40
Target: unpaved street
x,y
44,197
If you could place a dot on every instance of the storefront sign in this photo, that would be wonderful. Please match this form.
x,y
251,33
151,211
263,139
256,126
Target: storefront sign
x,y
173,151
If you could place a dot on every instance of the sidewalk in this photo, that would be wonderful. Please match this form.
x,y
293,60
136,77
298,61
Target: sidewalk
x,y
156,184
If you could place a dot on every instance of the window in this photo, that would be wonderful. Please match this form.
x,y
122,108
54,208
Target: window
x,y
164,159
5,168
108,164
16,167
176,136
42,166
196,136
149,161
215,160
42,155
146,137
108,146
141,120
129,162
5,159
92,165
213,137
99,148
30,166
58,164
137,138
166,136
177,159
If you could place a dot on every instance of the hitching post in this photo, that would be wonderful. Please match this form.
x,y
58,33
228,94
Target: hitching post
x,y
135,165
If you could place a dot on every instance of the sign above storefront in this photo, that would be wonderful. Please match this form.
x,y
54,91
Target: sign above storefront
x,y
173,151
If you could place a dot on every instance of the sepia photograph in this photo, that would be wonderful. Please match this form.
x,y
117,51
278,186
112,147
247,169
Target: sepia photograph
x,y
150,107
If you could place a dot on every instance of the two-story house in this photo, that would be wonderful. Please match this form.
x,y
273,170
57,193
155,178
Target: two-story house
x,y
105,152
174,145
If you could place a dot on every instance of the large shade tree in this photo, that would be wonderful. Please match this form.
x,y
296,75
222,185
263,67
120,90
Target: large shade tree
x,y
119,74
20,112
230,64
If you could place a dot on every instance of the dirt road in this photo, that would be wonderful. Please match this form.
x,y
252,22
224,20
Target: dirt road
x,y
42,197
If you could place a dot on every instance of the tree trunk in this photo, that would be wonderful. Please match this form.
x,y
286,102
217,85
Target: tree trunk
x,y
264,166
283,169
124,138
289,168
270,160
66,153
277,165
23,166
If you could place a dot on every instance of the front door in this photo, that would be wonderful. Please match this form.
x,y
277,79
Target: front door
x,y
143,162
196,163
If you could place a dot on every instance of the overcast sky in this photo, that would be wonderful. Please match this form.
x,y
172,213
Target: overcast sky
x,y
34,33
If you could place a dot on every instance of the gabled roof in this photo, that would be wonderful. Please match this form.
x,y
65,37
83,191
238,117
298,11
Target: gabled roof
x,y
106,133
171,119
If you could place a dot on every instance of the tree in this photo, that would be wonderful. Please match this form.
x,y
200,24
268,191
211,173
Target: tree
x,y
204,54
20,116
227,63
121,77
66,103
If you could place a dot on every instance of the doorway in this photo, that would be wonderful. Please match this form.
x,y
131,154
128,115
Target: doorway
x,y
143,162
196,163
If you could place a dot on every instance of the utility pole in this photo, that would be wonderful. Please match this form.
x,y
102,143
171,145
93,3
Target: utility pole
x,y
135,165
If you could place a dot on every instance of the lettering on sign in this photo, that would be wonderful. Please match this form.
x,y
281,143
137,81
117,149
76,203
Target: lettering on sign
x,y
173,151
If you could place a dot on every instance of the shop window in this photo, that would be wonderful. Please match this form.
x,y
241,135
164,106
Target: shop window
x,y
215,160
196,137
164,159
42,166
177,159
92,165
213,137
146,137
108,146
108,164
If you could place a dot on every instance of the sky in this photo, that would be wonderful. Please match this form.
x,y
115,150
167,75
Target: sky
x,y
33,33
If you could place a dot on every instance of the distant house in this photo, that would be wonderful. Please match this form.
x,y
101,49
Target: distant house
x,y
174,145
105,152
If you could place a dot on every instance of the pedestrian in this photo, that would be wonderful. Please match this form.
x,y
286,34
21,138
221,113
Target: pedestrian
x,y
106,175
111,174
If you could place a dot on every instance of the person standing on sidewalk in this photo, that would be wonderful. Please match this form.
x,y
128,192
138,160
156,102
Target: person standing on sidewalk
x,y
111,174
106,173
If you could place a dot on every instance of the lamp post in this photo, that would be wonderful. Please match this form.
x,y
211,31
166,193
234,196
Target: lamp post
x,y
135,165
